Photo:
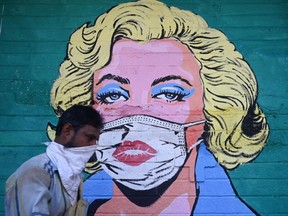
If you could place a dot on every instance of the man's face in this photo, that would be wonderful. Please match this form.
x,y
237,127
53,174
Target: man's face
x,y
85,136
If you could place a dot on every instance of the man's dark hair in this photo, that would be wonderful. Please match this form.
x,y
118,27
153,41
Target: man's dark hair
x,y
79,116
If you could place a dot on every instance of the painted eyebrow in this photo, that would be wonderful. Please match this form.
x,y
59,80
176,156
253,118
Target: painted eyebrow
x,y
119,79
170,77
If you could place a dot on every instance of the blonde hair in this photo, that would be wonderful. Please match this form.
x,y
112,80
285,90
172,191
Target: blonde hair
x,y
236,128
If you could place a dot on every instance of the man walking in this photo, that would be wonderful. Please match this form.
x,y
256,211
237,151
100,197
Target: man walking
x,y
50,183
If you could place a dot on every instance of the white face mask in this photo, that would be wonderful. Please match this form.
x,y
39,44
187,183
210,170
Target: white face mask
x,y
70,162
141,152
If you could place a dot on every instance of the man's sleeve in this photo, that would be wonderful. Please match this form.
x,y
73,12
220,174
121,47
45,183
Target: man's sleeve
x,y
29,193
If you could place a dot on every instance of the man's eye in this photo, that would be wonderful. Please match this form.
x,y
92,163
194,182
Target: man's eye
x,y
112,93
90,138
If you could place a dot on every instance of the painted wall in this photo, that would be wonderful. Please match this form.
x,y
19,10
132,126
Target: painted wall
x,y
33,38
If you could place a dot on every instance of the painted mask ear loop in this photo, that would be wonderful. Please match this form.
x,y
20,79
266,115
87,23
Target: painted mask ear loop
x,y
190,124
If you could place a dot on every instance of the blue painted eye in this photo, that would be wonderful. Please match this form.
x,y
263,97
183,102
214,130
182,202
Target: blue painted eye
x,y
112,93
171,92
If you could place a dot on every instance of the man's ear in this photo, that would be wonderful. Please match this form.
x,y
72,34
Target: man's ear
x,y
67,131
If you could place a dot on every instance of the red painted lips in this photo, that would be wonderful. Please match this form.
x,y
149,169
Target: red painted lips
x,y
134,153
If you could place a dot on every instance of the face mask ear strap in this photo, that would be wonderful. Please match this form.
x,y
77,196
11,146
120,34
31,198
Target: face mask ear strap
x,y
190,124
195,144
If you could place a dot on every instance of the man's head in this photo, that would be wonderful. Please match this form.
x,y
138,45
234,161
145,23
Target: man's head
x,y
79,126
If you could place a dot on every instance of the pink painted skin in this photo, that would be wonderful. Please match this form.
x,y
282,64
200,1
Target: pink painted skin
x,y
135,68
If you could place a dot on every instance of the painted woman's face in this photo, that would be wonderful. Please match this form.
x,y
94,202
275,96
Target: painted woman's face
x,y
159,78
153,82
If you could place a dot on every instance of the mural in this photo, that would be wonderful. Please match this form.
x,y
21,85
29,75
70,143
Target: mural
x,y
180,109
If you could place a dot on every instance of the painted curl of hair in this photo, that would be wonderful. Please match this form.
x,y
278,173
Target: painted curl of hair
x,y
236,128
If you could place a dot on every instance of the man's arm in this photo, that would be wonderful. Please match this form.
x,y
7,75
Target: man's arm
x,y
29,193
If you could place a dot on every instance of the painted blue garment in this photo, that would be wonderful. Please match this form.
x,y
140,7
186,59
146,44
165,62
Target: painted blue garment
x,y
215,193
35,189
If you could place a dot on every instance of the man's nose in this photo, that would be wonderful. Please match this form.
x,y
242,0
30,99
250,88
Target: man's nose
x,y
93,142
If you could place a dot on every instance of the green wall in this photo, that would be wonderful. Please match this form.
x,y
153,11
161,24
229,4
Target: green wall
x,y
33,38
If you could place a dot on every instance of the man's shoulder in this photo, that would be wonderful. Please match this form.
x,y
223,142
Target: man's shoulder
x,y
38,159
38,162
39,166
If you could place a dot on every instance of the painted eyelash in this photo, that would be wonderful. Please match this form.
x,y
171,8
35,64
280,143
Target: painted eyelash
x,y
173,92
104,94
101,96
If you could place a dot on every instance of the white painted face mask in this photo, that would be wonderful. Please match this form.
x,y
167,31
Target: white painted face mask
x,y
142,152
